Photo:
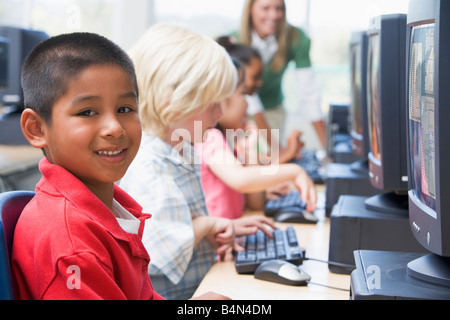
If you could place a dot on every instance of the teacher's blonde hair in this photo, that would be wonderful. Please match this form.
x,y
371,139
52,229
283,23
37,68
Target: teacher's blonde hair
x,y
179,73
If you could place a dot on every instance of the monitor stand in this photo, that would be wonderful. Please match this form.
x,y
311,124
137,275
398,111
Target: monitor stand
x,y
390,203
347,179
353,226
342,152
431,268
385,275
360,166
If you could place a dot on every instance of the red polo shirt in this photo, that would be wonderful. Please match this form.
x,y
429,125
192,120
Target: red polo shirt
x,y
68,244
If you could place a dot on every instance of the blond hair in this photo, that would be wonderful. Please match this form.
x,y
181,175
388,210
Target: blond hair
x,y
179,73
284,34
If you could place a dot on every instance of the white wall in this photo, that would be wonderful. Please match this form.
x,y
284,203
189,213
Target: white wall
x,y
132,20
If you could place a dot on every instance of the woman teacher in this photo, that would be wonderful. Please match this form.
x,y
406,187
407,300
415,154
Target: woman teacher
x,y
264,26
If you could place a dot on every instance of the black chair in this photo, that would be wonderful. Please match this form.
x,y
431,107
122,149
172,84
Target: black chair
x,y
11,206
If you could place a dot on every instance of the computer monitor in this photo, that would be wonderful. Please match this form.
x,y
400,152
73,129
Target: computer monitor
x,y
4,51
386,104
429,135
21,42
359,130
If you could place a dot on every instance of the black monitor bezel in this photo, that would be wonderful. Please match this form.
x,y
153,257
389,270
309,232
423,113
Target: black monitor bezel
x,y
21,42
390,173
360,142
433,233
4,68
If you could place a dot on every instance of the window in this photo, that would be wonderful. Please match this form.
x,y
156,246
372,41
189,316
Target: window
x,y
61,16
114,19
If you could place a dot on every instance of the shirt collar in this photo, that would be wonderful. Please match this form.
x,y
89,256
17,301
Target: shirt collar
x,y
126,220
58,181
267,47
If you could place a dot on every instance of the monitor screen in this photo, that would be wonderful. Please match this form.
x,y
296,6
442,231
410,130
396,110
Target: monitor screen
x,y
4,51
358,110
386,113
355,56
386,102
428,118
373,97
422,115
20,43
428,135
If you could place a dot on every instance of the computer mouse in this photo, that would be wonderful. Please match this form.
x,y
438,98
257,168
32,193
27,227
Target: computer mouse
x,y
282,272
291,215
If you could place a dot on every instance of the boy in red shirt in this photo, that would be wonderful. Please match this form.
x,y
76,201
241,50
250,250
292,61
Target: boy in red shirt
x,y
80,236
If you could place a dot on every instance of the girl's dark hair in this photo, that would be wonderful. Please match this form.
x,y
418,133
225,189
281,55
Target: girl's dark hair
x,y
241,78
50,67
243,52
240,68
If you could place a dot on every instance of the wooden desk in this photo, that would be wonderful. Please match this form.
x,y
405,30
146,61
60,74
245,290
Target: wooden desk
x,y
223,279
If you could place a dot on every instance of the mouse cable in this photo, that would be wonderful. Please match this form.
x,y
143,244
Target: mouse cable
x,y
327,286
330,263
333,263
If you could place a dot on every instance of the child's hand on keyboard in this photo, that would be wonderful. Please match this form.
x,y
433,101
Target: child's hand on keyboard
x,y
222,236
294,146
274,193
250,225
307,190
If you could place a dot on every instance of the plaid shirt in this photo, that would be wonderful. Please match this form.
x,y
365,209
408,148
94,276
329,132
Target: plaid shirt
x,y
168,186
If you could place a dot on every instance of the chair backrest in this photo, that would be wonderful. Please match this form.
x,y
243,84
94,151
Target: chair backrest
x,y
11,206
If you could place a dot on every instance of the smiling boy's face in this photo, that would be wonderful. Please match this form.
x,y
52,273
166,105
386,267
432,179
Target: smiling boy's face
x,y
95,129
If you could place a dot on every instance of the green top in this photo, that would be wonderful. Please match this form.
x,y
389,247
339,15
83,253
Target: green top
x,y
271,92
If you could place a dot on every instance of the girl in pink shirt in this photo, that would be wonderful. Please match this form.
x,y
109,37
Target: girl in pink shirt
x,y
231,174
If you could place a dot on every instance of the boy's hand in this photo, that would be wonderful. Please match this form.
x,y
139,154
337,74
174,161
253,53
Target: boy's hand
x,y
222,236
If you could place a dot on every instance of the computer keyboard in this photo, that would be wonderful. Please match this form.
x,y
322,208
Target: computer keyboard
x,y
310,162
289,208
260,247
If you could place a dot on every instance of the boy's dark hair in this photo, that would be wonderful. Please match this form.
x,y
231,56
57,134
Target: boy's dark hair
x,y
240,51
50,67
